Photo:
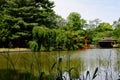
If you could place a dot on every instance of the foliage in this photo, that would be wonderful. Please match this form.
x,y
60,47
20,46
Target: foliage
x,y
23,21
64,39
116,33
40,34
93,24
75,22
33,45
20,16
103,30
90,33
60,22
104,27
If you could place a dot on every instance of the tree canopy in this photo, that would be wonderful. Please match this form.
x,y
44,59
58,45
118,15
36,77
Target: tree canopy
x,y
20,16
75,21
34,24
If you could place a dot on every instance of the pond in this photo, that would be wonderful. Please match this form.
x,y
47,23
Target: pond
x,y
106,60
80,64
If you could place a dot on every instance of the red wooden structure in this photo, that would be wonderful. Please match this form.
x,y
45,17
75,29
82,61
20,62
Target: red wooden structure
x,y
87,46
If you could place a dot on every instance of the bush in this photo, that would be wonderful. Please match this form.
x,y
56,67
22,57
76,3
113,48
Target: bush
x,y
33,45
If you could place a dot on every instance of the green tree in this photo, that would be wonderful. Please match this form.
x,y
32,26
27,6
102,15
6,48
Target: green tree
x,y
3,32
21,16
78,39
116,33
90,33
103,30
2,5
93,23
104,27
40,34
116,23
32,11
75,22
60,22
44,37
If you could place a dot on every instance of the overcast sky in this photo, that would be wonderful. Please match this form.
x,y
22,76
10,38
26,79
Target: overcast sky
x,y
105,10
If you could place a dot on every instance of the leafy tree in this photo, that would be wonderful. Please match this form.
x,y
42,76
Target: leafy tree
x,y
60,38
39,35
3,32
2,5
44,37
93,24
20,18
75,21
116,23
104,27
33,46
70,40
60,22
91,31
116,33
32,11
103,30
90,34
78,39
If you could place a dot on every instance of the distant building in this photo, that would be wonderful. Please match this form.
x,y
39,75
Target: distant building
x,y
107,42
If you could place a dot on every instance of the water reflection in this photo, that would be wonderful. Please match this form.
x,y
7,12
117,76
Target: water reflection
x,y
106,61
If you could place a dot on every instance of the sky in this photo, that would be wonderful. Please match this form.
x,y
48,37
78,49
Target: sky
x,y
105,10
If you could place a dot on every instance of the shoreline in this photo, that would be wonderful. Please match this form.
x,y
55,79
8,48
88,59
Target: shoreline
x,y
3,50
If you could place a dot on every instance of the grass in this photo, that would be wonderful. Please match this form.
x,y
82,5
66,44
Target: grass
x,y
45,65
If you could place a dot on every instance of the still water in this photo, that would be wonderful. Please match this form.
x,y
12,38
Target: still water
x,y
106,60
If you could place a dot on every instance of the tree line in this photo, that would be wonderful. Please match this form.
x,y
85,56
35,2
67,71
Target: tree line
x,y
34,24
